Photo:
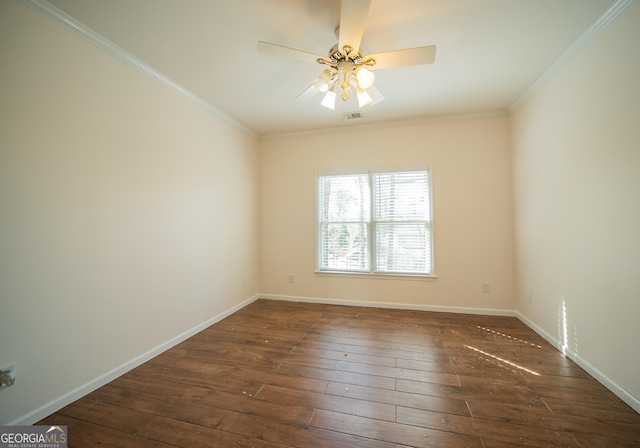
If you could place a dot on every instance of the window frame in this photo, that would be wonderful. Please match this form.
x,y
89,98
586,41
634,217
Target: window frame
x,y
371,226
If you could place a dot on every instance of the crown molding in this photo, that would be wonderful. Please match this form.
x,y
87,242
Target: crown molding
x,y
79,29
576,47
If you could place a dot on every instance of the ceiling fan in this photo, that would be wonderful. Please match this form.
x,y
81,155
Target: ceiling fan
x,y
347,70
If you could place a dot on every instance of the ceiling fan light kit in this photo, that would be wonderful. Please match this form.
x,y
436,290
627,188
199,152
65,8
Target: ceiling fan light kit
x,y
329,99
365,77
364,98
348,69
323,81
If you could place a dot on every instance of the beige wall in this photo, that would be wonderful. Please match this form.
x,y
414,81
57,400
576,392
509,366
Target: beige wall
x,y
128,214
576,146
471,172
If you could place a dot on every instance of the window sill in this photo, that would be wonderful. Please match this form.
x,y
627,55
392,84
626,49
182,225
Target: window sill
x,y
378,275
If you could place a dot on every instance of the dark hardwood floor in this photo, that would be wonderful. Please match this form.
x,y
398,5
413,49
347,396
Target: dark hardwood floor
x,y
281,374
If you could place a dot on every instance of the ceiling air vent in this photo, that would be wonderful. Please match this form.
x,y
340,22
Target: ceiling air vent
x,y
352,115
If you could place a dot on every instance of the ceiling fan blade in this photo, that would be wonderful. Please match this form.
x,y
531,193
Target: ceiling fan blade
x,y
408,56
353,16
286,52
308,93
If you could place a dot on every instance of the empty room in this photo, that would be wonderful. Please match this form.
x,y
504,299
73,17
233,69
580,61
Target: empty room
x,y
304,223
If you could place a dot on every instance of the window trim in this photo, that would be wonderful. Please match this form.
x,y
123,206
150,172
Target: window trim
x,y
370,227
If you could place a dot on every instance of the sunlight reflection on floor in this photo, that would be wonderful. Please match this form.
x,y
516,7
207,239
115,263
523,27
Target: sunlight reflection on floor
x,y
497,358
489,330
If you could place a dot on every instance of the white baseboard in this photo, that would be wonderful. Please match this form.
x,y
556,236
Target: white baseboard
x,y
399,306
583,363
49,408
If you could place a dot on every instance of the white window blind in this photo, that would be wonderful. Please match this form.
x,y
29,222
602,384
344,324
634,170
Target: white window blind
x,y
345,213
378,222
401,219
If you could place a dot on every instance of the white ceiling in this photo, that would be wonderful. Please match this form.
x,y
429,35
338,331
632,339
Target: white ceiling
x,y
489,52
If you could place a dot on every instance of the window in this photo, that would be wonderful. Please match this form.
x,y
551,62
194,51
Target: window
x,y
376,222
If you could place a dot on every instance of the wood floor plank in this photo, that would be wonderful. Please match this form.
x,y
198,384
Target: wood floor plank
x,y
207,366
166,407
567,381
300,375
394,397
481,428
308,360
595,441
248,404
142,383
232,383
263,360
337,376
299,436
109,415
547,361
188,435
340,355
399,372
230,380
406,352
576,395
345,405
84,433
382,347
545,419
392,432
472,388
427,366
618,412
516,385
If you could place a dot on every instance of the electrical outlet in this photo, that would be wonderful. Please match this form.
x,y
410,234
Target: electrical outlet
x,y
7,376
486,288
291,278
529,296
